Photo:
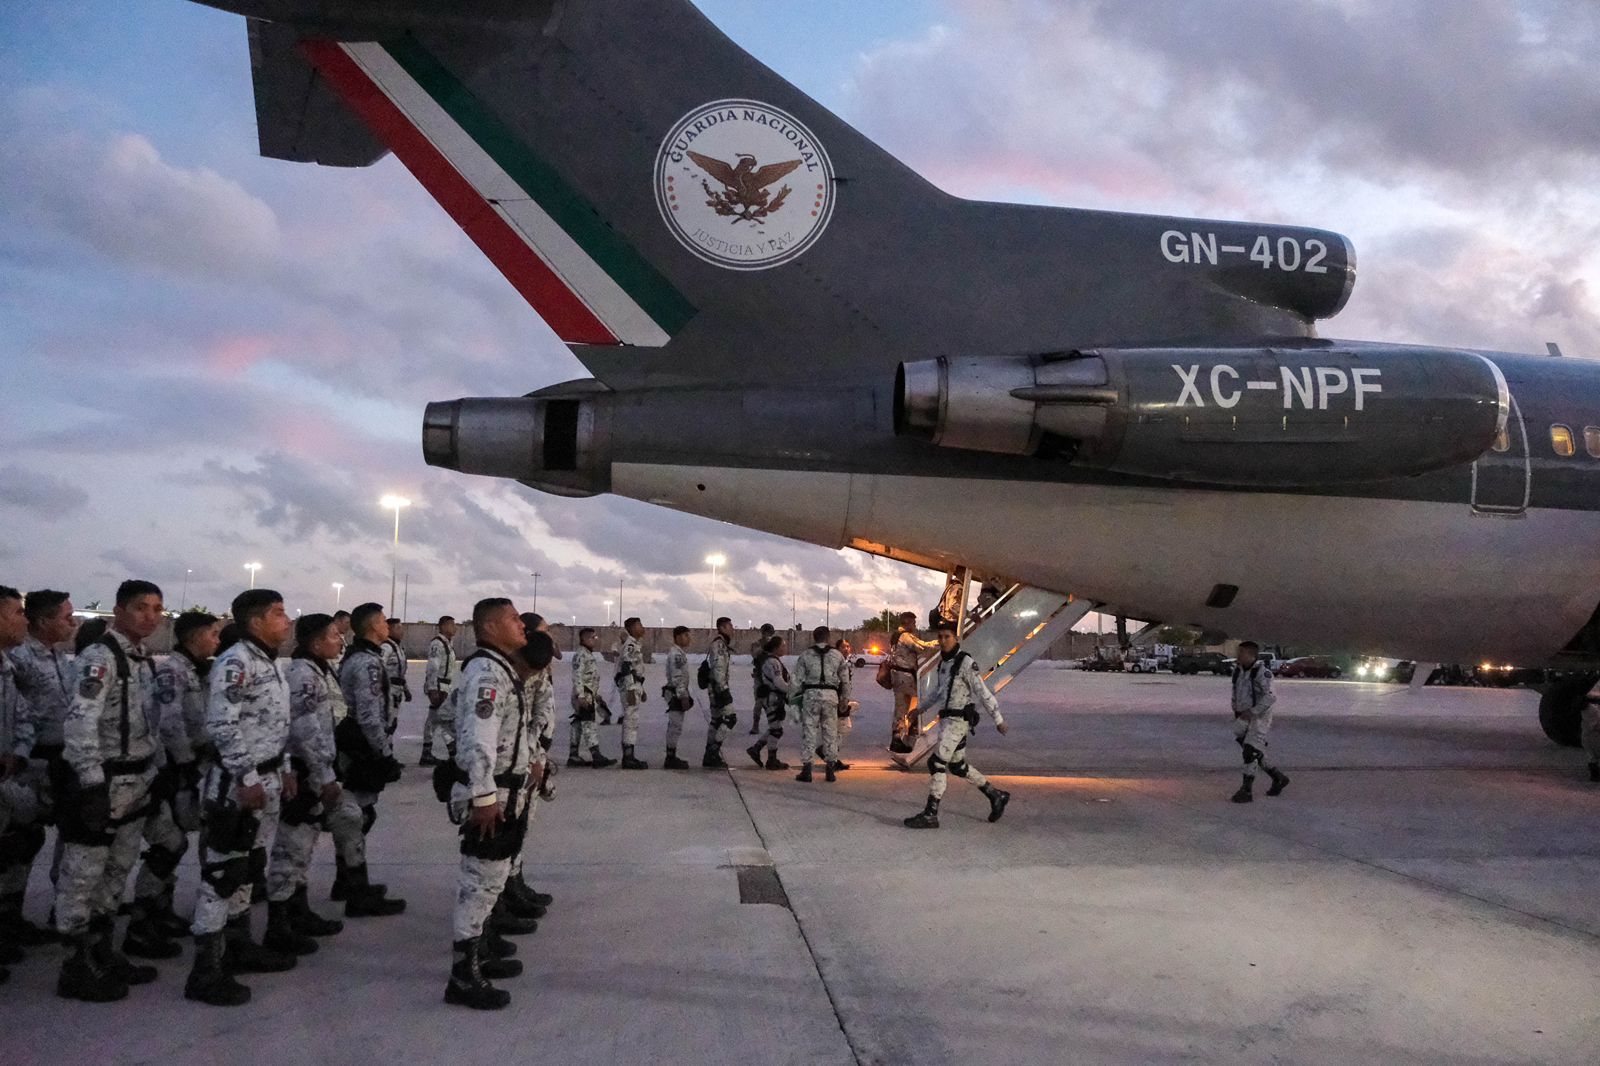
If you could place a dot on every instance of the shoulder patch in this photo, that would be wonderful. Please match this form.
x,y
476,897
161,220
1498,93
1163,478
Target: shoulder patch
x,y
485,709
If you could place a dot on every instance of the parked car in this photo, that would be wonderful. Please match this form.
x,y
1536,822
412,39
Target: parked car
x,y
1144,664
1095,664
1396,671
1201,662
1318,666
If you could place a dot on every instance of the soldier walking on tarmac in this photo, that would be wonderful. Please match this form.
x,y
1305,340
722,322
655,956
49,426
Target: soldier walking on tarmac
x,y
958,693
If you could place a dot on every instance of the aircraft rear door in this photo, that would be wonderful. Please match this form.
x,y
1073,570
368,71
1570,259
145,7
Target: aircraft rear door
x,y
1502,477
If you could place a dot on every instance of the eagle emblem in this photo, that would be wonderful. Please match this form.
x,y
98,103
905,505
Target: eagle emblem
x,y
744,196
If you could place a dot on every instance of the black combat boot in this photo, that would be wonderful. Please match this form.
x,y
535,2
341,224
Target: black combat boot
x,y
1594,771
840,764
85,977
754,751
307,921
209,980
900,746
145,938
773,762
1280,781
428,758
243,955
503,922
366,900
576,761
712,759
103,929
672,762
167,918
1243,795
805,772
830,772
343,882
998,798
598,761
630,762
519,902
927,818
500,969
281,935
525,891
468,986
496,946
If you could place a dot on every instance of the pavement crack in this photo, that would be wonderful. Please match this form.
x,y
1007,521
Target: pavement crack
x,y
811,951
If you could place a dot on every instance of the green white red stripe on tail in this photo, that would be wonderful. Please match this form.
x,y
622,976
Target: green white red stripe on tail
x,y
579,275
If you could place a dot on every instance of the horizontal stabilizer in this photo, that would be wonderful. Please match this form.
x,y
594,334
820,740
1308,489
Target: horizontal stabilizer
x,y
298,118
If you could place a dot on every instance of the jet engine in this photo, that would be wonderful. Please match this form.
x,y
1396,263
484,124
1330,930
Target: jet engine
x,y
1289,416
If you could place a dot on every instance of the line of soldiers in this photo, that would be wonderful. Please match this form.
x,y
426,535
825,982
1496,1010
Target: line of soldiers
x,y
115,748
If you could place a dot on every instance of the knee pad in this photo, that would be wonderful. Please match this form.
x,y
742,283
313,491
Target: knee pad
x,y
162,861
228,876
728,721
776,731
960,768
19,844
369,817
936,765
1252,753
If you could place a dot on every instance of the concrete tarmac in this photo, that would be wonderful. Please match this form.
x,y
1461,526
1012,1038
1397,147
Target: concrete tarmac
x,y
1425,891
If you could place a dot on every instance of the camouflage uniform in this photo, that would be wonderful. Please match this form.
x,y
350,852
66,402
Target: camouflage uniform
x,y
438,676
365,742
247,719
819,673
776,687
958,692
312,689
679,694
1252,715
394,659
20,834
720,696
903,660
111,757
630,687
180,705
494,745
539,696
586,699
44,681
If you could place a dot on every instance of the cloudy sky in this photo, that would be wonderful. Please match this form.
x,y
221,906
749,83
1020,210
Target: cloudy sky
x,y
207,358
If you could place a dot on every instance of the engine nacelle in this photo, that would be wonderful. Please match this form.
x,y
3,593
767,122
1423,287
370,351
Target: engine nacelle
x,y
1290,416
557,440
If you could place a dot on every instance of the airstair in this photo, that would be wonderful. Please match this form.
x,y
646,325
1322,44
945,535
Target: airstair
x,y
1005,637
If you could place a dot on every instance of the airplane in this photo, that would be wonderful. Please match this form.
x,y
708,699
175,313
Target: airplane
x,y
790,330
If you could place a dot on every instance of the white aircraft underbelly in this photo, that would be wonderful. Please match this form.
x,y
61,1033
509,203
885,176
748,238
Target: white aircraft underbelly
x,y
1430,581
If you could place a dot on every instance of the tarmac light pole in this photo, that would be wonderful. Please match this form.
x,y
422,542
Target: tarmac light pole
x,y
716,561
185,597
252,567
338,593
394,503
536,576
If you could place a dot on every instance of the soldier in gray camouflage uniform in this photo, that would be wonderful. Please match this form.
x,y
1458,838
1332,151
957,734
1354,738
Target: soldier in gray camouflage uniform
x,y
719,695
44,681
180,705
366,761
775,689
493,748
438,678
587,703
102,791
319,801
630,687
1253,701
394,657
19,807
958,692
679,694
247,720
819,672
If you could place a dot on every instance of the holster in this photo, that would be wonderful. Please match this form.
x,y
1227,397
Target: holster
x,y
360,767
446,775
227,828
69,803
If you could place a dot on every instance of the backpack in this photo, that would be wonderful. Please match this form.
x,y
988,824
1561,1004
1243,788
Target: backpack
x,y
703,678
885,676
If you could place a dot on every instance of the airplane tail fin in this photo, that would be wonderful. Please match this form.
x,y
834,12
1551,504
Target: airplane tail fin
x,y
646,184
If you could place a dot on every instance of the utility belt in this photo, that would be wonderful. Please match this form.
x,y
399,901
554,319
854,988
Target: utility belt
x,y
809,687
127,767
969,713
47,752
507,841
360,766
624,678
902,669
267,766
306,806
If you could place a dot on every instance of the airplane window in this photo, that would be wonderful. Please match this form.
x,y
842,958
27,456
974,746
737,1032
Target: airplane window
x,y
1502,440
1591,441
1561,441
